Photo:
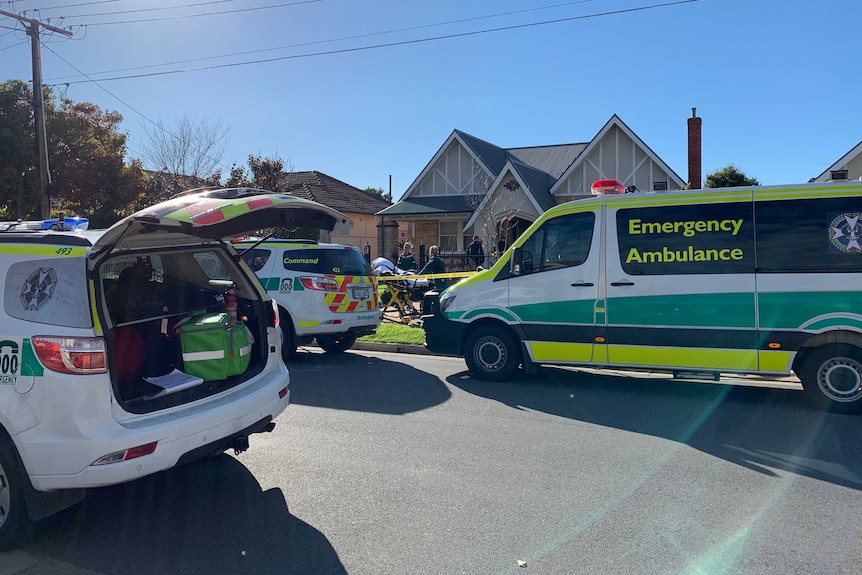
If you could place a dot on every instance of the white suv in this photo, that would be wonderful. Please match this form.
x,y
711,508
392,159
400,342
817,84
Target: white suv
x,y
324,291
100,370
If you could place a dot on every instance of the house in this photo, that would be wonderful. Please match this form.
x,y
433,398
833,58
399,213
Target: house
x,y
473,187
360,206
848,167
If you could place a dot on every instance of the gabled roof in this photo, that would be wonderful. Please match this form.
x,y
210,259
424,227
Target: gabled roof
x,y
326,190
842,161
617,121
540,169
492,156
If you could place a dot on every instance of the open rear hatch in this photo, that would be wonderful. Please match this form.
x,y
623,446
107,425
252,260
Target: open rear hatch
x,y
166,281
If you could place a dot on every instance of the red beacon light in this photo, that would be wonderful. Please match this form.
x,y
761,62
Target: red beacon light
x,y
607,187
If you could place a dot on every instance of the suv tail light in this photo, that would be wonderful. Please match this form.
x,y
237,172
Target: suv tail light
x,y
319,283
74,355
276,321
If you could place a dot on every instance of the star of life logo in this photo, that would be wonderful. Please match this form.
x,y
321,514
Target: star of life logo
x,y
38,288
845,232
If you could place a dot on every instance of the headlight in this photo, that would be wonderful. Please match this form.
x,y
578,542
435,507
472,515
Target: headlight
x,y
446,300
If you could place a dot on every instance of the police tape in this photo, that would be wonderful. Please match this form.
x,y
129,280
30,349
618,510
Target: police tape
x,y
448,275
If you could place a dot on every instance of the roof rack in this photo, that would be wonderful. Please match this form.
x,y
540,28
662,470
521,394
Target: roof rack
x,y
67,224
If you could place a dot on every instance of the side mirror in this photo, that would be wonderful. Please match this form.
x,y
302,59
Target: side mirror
x,y
515,262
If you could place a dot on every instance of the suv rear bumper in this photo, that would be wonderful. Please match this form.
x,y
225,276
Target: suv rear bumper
x,y
64,458
352,327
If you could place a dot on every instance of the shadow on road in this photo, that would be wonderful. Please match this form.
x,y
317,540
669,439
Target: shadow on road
x,y
360,383
759,428
208,517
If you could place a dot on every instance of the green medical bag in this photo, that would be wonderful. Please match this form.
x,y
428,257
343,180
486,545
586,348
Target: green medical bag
x,y
213,349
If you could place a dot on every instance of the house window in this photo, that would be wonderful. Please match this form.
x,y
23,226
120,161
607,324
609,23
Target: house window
x,y
449,232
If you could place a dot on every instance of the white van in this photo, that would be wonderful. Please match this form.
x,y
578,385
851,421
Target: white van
x,y
763,280
118,354
324,291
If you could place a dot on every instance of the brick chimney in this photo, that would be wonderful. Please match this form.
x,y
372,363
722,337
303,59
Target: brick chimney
x,y
694,151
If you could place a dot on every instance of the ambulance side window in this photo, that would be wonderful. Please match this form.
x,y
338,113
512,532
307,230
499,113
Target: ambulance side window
x,y
560,243
821,235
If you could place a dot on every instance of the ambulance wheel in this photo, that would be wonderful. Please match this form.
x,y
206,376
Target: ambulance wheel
x,y
492,353
832,377
288,345
336,343
15,525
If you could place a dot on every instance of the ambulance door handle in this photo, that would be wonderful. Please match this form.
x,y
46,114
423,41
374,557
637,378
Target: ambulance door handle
x,y
622,283
583,284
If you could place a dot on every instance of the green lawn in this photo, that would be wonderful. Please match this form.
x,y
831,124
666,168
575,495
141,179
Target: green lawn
x,y
389,332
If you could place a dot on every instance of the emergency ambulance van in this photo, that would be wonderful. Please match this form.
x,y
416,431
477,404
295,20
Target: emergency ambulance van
x,y
762,280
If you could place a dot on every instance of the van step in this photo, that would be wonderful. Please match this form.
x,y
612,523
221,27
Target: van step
x,y
710,375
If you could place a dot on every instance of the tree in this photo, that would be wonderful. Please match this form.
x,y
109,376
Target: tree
x,y
86,152
192,148
85,155
729,177
377,192
19,162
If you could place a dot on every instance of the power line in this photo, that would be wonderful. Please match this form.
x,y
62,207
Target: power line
x,y
76,5
129,106
282,5
13,45
152,9
354,37
391,44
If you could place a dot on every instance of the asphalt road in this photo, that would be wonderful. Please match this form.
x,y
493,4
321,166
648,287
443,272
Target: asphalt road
x,y
403,464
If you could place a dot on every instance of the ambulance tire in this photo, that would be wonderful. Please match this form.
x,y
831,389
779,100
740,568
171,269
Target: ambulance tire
x,y
492,353
288,345
832,377
336,343
15,526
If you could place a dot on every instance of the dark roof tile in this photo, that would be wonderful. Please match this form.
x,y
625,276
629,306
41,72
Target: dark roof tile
x,y
331,192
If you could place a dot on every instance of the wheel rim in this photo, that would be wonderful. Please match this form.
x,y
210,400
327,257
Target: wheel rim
x,y
490,354
5,496
840,379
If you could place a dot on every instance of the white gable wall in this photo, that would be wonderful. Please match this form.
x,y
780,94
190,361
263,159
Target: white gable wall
x,y
454,174
615,156
854,168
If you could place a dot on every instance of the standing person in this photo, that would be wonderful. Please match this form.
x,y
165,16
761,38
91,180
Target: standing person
x,y
475,251
435,265
406,261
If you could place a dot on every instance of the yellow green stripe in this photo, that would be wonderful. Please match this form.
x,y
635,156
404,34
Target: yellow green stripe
x,y
33,250
778,361
678,357
552,351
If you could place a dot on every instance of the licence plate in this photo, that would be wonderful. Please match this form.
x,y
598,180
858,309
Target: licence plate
x,y
361,294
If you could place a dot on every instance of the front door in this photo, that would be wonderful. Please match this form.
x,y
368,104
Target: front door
x,y
555,293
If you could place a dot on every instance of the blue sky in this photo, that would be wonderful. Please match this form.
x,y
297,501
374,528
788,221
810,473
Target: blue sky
x,y
777,83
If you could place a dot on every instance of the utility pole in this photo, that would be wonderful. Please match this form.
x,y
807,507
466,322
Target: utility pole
x,y
32,27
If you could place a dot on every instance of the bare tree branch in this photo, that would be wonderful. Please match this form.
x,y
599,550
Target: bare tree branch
x,y
190,148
